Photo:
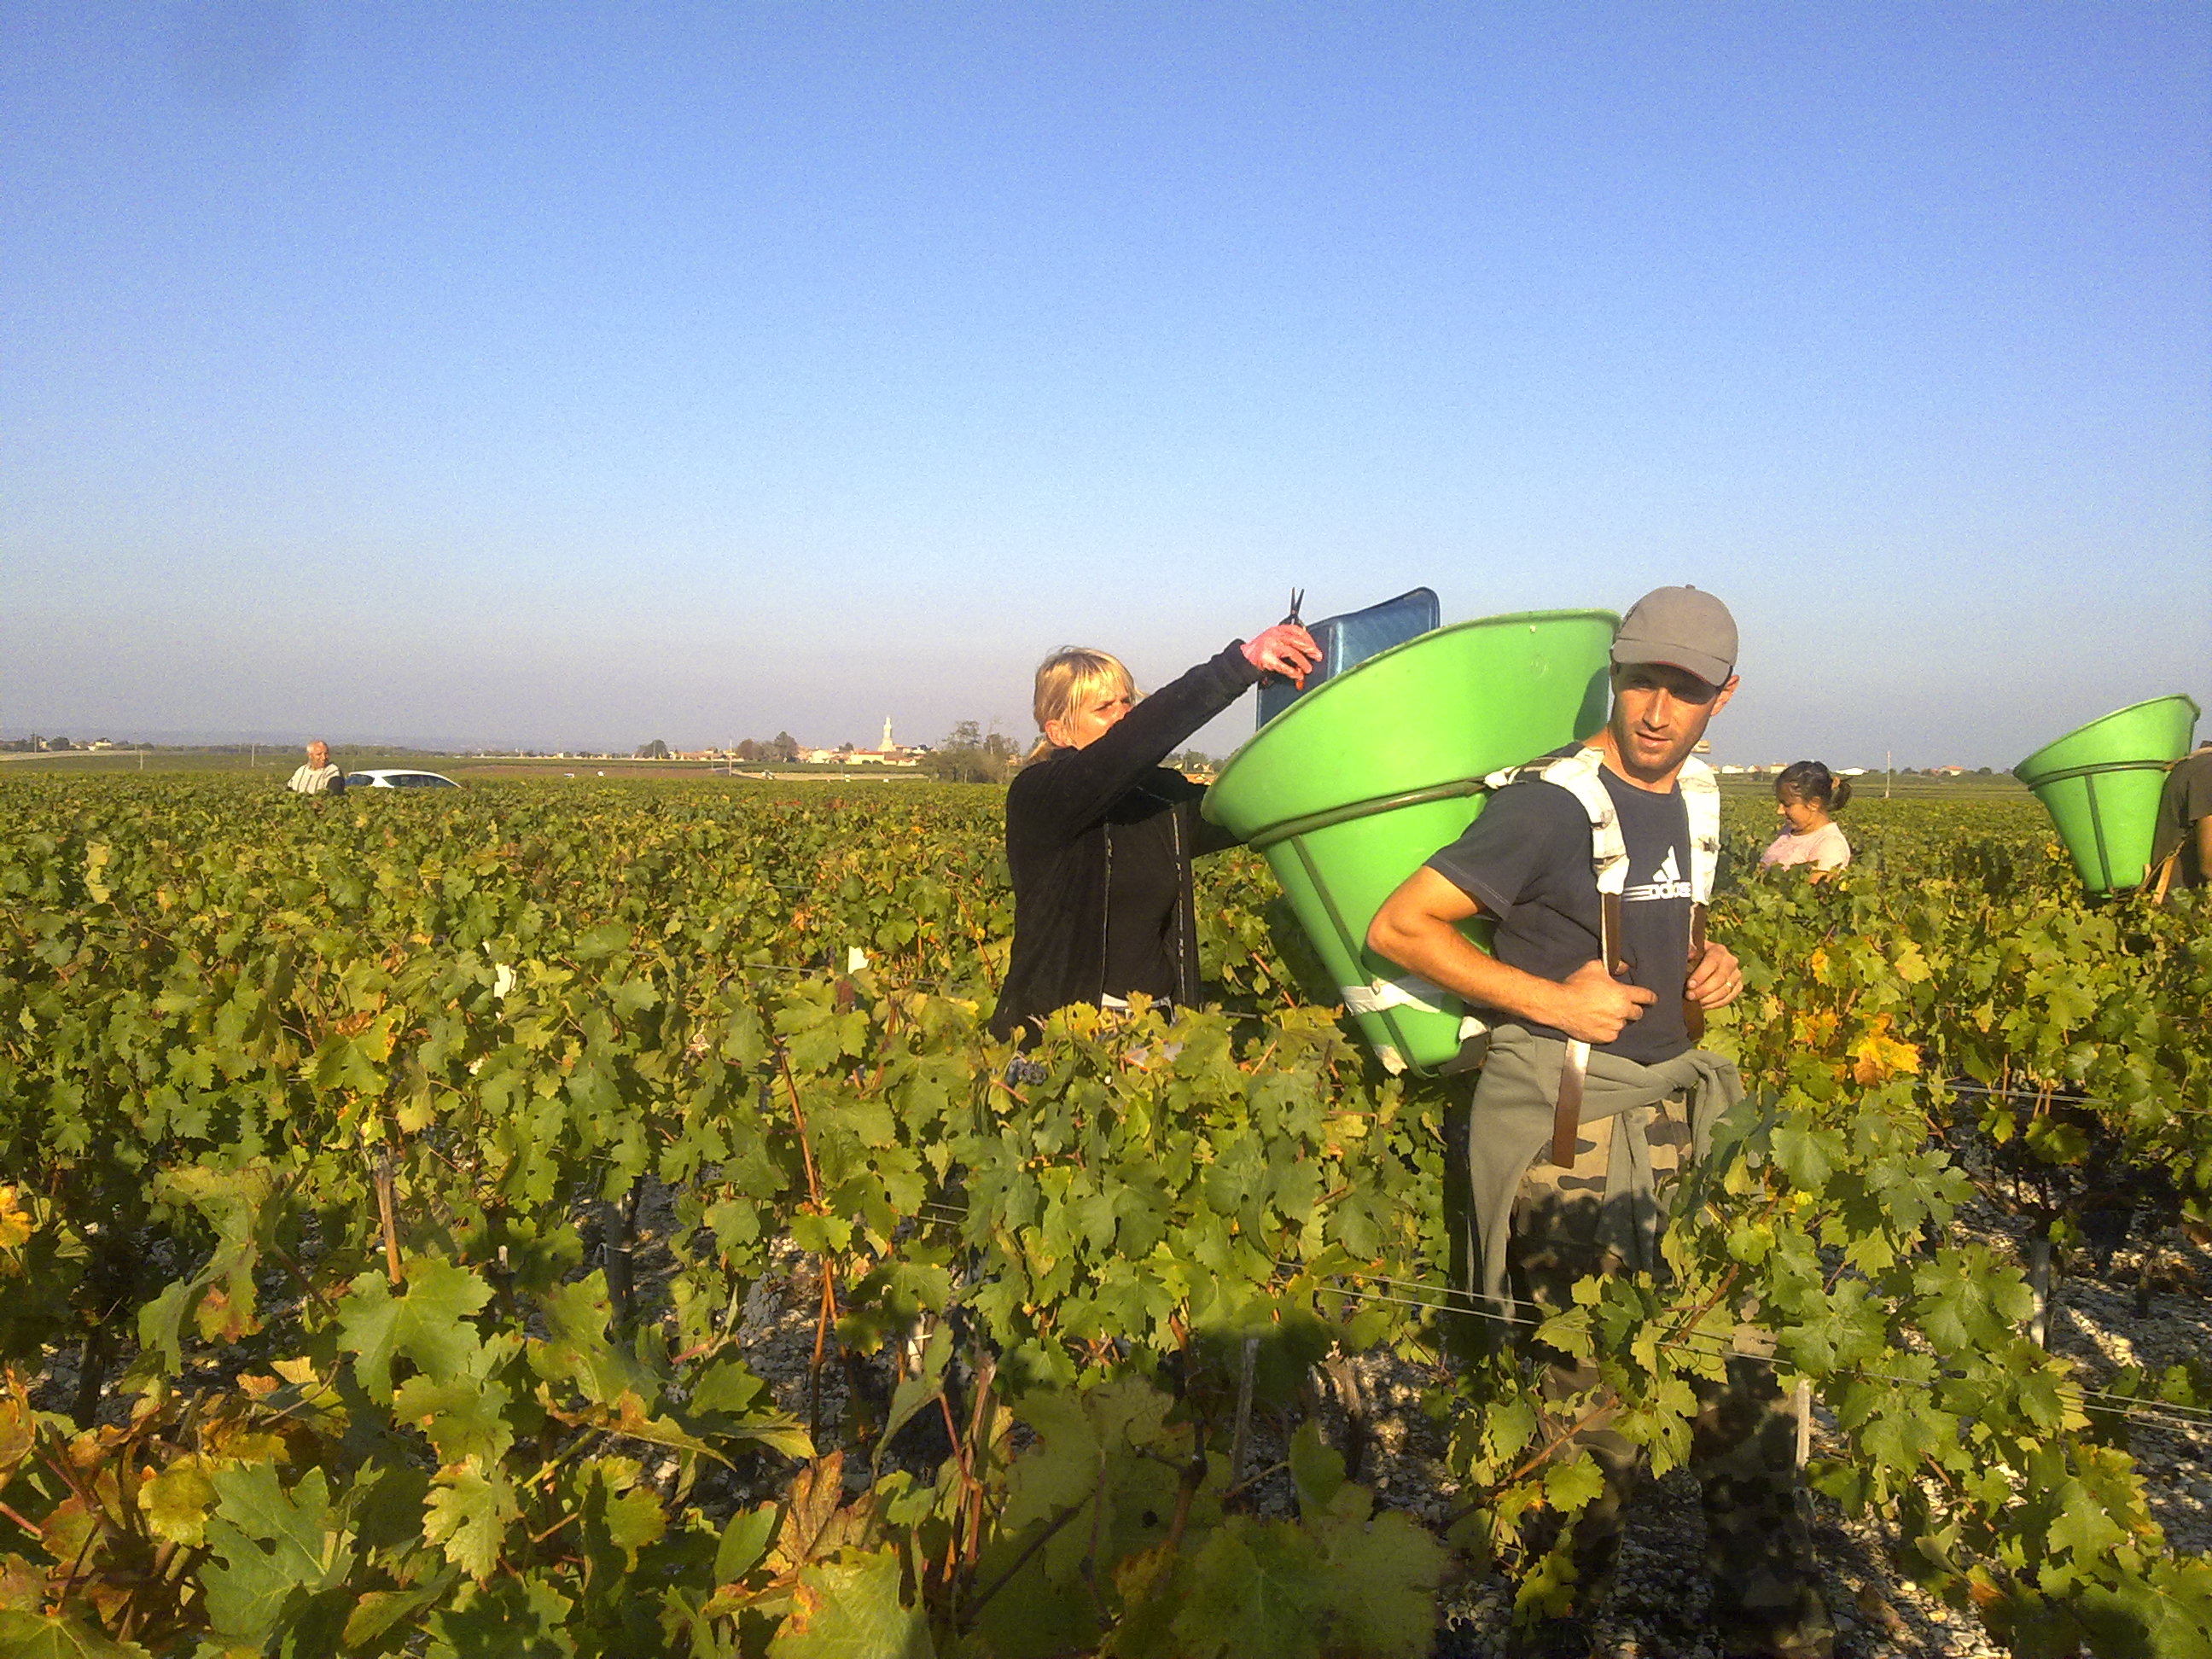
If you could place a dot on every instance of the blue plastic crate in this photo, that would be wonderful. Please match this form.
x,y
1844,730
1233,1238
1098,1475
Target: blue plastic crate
x,y
1349,640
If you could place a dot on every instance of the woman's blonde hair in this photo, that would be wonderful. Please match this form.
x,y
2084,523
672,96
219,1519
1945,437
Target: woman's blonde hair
x,y
1067,678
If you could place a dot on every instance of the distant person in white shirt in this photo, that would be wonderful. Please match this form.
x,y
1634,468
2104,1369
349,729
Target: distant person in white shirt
x,y
318,776
1807,797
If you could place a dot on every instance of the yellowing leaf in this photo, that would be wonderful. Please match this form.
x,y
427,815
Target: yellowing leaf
x,y
850,1608
177,1501
15,1223
96,857
1879,1056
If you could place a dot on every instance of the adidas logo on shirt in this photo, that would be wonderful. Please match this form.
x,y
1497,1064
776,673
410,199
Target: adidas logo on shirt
x,y
1667,882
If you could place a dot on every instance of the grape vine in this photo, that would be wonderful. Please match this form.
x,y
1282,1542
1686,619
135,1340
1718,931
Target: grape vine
x,y
326,1129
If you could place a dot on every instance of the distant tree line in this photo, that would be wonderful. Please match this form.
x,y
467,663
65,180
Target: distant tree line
x,y
780,747
971,754
967,755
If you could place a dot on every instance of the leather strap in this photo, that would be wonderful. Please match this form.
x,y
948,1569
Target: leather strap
x,y
1574,1067
2166,875
1567,1115
1610,928
1694,1016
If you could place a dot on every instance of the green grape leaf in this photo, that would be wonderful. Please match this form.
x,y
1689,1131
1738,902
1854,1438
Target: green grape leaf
x,y
50,1636
466,1515
577,1349
621,1512
1253,1591
1061,1470
378,1611
1569,1484
849,1608
1382,1583
597,943
923,1388
428,1324
744,1542
273,1549
2082,1525
1316,1470
513,1616
463,1414
634,997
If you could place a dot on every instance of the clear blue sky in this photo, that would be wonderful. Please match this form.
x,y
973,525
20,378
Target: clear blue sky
x,y
584,373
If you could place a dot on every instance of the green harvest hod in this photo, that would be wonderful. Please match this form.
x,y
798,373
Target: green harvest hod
x,y
1350,789
2101,785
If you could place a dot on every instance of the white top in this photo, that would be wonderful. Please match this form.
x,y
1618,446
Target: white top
x,y
1824,848
311,780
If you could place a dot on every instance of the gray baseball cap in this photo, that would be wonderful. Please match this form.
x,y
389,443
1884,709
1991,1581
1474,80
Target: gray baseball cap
x,y
1682,627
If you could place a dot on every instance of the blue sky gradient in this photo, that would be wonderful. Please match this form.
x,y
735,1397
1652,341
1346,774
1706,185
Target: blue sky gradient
x,y
575,375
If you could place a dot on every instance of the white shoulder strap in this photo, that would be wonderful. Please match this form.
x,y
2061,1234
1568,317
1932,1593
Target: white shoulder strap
x,y
1578,773
1701,797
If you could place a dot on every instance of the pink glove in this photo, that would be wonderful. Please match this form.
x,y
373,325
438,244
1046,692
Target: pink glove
x,y
1286,649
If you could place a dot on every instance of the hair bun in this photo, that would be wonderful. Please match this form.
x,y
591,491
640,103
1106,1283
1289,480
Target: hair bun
x,y
1811,782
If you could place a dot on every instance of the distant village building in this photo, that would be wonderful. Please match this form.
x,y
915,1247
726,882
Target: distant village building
x,y
892,753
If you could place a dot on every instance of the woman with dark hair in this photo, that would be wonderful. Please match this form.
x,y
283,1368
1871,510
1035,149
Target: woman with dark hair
x,y
1806,796
1100,834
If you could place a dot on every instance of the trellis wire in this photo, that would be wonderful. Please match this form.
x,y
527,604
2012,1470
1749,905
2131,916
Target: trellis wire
x,y
1460,1303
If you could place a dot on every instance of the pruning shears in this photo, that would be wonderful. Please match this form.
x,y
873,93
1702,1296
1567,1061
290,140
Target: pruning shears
x,y
1298,599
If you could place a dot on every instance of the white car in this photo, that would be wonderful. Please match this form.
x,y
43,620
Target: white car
x,y
384,777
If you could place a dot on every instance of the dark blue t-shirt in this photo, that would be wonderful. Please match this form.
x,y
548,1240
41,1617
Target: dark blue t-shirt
x,y
1527,861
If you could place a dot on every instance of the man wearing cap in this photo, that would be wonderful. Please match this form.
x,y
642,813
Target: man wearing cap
x,y
1595,863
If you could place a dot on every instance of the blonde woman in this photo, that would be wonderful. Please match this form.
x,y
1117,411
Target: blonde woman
x,y
1100,836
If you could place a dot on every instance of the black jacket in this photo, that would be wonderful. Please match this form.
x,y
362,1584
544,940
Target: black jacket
x,y
1057,811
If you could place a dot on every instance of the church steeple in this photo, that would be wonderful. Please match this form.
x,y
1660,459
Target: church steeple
x,y
888,744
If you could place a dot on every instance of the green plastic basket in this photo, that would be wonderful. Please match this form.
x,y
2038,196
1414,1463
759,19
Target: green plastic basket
x,y
2101,787
1355,785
